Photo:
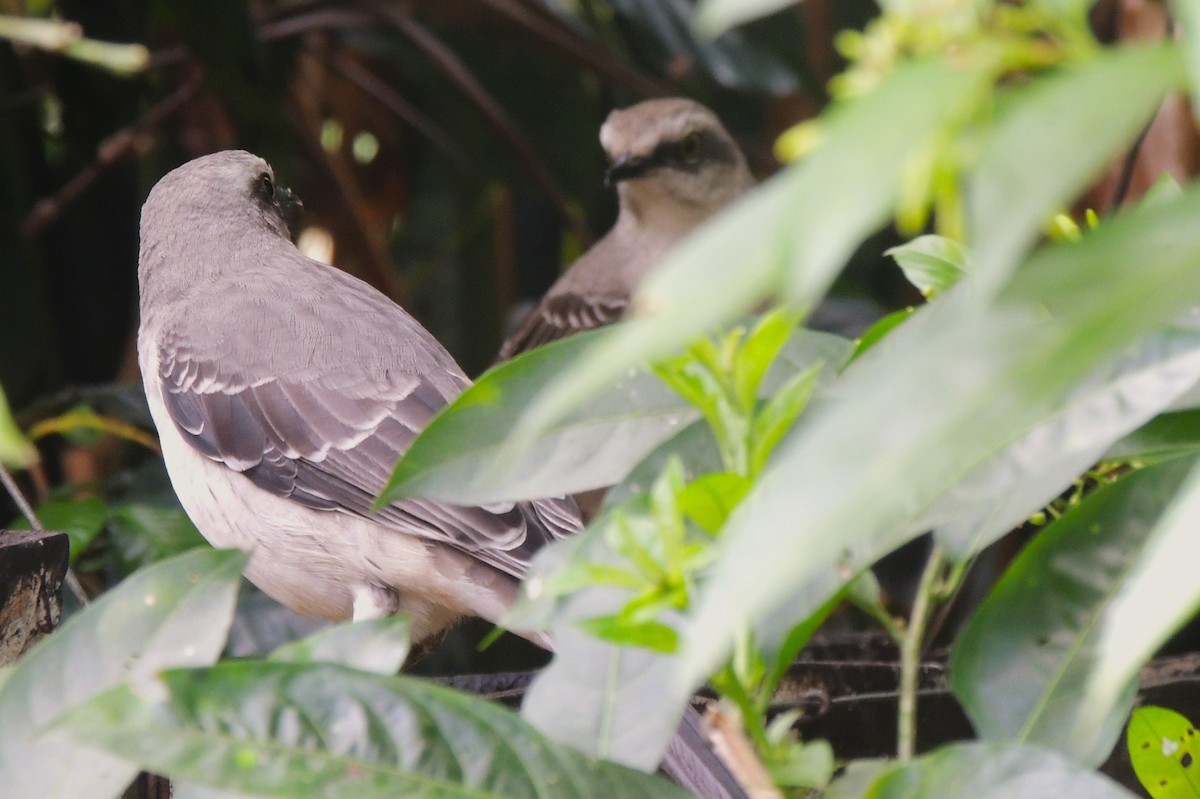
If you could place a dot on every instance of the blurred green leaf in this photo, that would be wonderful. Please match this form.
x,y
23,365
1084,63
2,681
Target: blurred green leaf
x,y
931,263
993,771
81,519
1163,750
173,614
1169,435
880,329
16,451
708,499
1001,492
279,729
957,384
1019,665
1023,175
790,236
375,645
1159,595
778,415
457,454
147,533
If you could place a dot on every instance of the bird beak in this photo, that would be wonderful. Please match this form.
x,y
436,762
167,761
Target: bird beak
x,y
291,209
626,168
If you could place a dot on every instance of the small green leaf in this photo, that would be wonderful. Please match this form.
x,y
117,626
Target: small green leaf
x,y
775,418
806,765
1163,751
931,263
16,451
708,499
759,352
879,331
81,519
617,629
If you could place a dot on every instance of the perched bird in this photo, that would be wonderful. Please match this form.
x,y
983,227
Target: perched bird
x,y
674,166
284,391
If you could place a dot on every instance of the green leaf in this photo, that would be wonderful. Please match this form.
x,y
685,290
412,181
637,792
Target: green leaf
x,y
879,331
290,729
146,532
931,263
789,236
707,500
1169,435
1020,664
1005,489
81,519
1159,596
758,353
957,384
807,765
458,457
376,645
1163,753
173,614
775,418
16,451
619,630
993,771
1023,175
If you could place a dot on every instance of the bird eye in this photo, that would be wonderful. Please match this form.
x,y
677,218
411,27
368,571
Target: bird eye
x,y
265,186
689,147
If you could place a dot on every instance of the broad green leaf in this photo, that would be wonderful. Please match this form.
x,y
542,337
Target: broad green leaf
x,y
1005,489
1020,664
1024,175
81,519
461,455
778,415
955,385
147,532
708,499
1164,753
993,771
931,263
1169,435
292,729
173,614
16,451
1159,596
790,236
1187,20
376,645
458,456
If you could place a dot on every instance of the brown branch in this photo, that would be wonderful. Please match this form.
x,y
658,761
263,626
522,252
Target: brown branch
x,y
109,153
391,99
552,32
457,72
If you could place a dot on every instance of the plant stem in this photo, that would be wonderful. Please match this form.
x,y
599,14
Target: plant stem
x,y
910,656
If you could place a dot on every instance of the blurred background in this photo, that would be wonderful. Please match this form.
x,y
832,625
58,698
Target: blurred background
x,y
446,152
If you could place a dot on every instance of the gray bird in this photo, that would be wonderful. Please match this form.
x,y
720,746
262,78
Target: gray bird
x,y
674,166
284,391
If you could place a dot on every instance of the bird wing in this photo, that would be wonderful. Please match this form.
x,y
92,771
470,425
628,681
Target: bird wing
x,y
329,442
561,315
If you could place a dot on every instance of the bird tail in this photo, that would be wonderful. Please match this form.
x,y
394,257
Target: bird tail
x,y
692,763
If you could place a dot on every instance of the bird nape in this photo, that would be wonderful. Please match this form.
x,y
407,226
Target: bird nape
x,y
284,391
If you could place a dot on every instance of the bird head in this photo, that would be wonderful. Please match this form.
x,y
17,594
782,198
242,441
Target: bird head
x,y
672,152
234,184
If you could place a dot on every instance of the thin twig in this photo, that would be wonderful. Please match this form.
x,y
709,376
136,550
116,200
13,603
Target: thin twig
x,y
457,72
391,99
910,656
26,509
109,153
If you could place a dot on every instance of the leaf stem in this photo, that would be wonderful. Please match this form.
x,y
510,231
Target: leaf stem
x,y
910,655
